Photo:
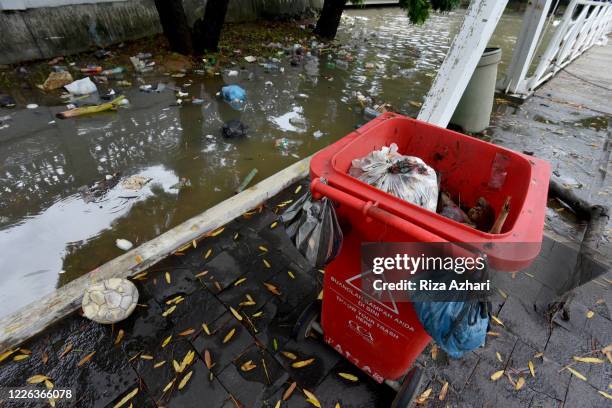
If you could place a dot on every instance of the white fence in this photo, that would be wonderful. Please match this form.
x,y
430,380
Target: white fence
x,y
583,24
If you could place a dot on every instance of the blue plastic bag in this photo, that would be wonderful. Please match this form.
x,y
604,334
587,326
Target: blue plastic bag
x,y
233,93
457,327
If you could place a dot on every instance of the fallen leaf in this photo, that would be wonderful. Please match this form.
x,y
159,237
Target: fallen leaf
x,y
52,402
138,259
217,231
166,341
185,380
229,335
236,314
608,352
201,274
208,359
67,350
168,278
275,344
119,337
278,404
421,399
497,375
311,398
494,334
297,189
267,264
289,355
531,368
576,373
289,391
302,363
25,351
45,357
263,248
187,332
434,352
208,253
320,296
125,399
169,311
502,293
291,275
273,225
86,358
146,357
499,357
36,379
519,383
605,394
239,281
349,377
590,314
159,364
48,384
593,360
497,320
257,314
176,365
337,405
443,392
205,328
20,357
248,366
187,360
271,288
169,385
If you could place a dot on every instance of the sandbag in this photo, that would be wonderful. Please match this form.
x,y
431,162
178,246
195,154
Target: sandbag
x,y
406,177
313,227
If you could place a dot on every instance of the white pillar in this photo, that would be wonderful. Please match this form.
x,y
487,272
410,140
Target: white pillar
x,y
458,66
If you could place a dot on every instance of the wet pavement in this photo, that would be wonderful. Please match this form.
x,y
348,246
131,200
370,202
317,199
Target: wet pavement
x,y
45,162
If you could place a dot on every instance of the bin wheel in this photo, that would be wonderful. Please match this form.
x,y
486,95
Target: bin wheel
x,y
304,323
408,391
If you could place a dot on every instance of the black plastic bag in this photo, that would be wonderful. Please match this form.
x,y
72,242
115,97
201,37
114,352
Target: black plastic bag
x,y
313,227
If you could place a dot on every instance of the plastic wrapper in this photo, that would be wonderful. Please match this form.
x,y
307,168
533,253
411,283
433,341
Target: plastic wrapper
x,y
406,177
313,227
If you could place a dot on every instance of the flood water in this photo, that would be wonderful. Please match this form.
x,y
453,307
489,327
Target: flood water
x,y
51,233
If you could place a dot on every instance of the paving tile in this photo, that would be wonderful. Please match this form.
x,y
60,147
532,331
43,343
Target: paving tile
x,y
274,327
201,390
521,320
456,371
503,344
199,307
221,271
141,399
581,394
222,353
563,345
182,282
325,358
144,328
596,297
543,401
255,387
245,290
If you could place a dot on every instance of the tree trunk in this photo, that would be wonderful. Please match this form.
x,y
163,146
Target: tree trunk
x,y
174,23
207,30
329,20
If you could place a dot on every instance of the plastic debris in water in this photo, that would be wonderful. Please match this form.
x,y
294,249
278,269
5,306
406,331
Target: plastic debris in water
x,y
124,244
31,106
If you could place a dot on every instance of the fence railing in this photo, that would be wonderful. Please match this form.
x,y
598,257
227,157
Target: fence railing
x,y
584,23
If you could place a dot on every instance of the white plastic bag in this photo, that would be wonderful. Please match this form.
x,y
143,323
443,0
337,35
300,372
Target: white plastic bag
x,y
81,87
406,177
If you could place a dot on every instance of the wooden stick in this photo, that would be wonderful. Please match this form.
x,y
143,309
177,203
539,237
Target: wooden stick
x,y
86,110
501,218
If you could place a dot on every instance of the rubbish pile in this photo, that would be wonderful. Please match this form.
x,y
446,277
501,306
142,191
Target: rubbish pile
x,y
412,180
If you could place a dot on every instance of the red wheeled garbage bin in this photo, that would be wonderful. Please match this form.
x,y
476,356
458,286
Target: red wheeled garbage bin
x,y
385,338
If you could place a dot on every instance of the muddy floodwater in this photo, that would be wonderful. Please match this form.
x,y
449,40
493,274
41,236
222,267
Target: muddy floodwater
x,y
53,230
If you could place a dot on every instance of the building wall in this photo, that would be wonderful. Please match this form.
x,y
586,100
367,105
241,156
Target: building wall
x,y
39,29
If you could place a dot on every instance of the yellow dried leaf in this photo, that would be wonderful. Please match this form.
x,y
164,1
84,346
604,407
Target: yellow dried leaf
x,y
289,355
593,360
239,281
248,366
531,368
7,354
187,360
138,259
67,350
159,364
52,402
263,248
48,384
205,328
119,337
208,359
166,341
217,231
298,189
497,375
236,314
492,333
176,366
519,383
499,357
266,263
421,399
278,404
169,385
576,373
86,358
320,296
337,405
443,392
538,355
257,314
201,274
128,397
25,351
20,357
273,225
291,275
605,394
497,320
168,278
208,253
349,377
289,391
311,398
590,314
302,363
187,332
185,380
168,311
36,379
146,357
502,293
229,335
271,288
